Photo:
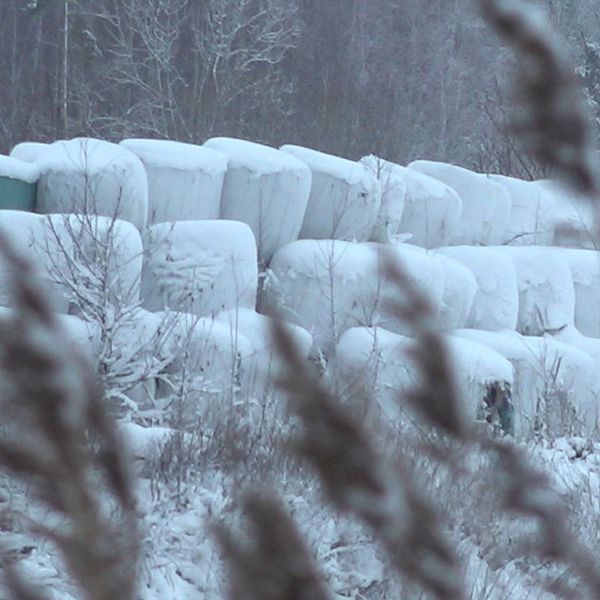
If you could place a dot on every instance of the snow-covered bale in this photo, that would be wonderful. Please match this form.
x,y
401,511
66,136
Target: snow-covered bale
x,y
392,186
430,209
205,373
89,259
185,181
553,385
86,175
203,267
28,151
265,188
18,181
546,292
264,367
485,203
585,270
574,217
459,292
532,213
373,362
496,303
328,286
344,197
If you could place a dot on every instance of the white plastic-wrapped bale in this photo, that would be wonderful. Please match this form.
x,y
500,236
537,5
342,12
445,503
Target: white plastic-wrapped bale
x,y
553,385
322,286
86,175
485,203
532,213
414,206
373,362
185,181
344,197
392,186
459,291
327,286
203,267
585,270
265,188
546,292
205,372
264,367
496,303
574,217
89,259
28,151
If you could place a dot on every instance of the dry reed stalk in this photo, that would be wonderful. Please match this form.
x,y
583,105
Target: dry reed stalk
x,y
356,479
273,564
60,439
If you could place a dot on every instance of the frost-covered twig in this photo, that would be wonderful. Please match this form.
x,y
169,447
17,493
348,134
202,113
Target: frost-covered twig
x,y
555,122
358,480
58,437
273,563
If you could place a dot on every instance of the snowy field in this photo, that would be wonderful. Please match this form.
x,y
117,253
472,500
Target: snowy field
x,y
167,263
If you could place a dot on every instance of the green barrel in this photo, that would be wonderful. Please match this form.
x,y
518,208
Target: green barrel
x,y
16,194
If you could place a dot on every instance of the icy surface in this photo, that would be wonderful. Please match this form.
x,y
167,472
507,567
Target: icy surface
x,y
532,213
496,303
185,181
28,151
85,175
202,267
265,188
546,292
15,168
344,197
485,204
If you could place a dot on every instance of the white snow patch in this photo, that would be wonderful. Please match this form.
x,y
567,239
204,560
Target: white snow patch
x,y
28,151
14,168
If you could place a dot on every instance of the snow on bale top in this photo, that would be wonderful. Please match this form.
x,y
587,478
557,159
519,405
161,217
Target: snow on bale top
x,y
15,168
344,197
28,151
176,155
485,203
532,214
260,159
265,188
86,175
496,303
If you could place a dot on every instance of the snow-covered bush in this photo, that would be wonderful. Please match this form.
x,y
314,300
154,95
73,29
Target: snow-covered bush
x,y
203,267
485,204
344,197
185,181
420,208
91,176
496,303
266,189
